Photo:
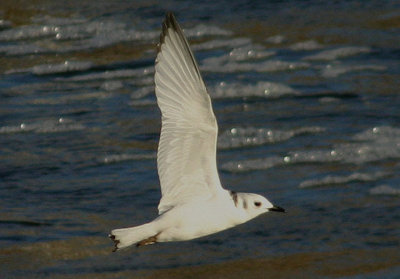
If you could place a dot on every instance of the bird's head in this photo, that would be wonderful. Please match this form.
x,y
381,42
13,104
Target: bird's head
x,y
254,204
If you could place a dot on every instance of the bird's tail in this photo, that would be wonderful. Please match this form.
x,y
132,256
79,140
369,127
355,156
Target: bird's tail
x,y
140,235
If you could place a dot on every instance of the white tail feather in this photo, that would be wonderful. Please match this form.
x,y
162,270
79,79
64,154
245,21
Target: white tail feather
x,y
128,236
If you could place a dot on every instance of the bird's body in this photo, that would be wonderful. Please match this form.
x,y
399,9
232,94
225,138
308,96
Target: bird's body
x,y
198,218
193,202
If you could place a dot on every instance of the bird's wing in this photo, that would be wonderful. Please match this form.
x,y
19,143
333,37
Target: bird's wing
x,y
186,156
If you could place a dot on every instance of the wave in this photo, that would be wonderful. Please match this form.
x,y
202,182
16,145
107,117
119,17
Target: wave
x,y
334,70
221,66
385,190
79,34
336,53
250,136
51,69
115,158
221,43
72,98
111,74
45,126
337,179
371,145
306,45
263,89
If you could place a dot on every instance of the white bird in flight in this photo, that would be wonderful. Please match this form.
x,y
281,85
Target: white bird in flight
x,y
193,202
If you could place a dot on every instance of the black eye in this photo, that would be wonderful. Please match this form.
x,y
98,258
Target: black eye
x,y
257,204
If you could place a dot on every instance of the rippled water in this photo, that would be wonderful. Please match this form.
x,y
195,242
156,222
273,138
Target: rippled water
x,y
307,99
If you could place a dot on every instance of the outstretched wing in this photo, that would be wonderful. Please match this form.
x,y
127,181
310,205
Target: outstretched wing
x,y
186,156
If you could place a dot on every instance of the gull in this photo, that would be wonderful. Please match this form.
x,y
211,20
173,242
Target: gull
x,y
193,202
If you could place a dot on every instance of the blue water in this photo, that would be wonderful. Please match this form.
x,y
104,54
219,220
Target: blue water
x,y
306,94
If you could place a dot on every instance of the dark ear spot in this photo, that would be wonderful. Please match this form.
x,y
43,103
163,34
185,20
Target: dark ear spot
x,y
258,204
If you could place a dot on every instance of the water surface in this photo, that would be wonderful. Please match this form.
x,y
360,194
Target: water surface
x,y
307,100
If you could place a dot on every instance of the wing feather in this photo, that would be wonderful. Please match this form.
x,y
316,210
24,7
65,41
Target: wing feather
x,y
186,156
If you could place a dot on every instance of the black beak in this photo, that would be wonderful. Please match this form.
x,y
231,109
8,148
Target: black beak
x,y
277,209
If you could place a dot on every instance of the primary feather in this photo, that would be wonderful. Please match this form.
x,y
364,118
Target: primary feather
x,y
186,156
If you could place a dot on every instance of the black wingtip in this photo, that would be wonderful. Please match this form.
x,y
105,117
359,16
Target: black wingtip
x,y
169,16
169,22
